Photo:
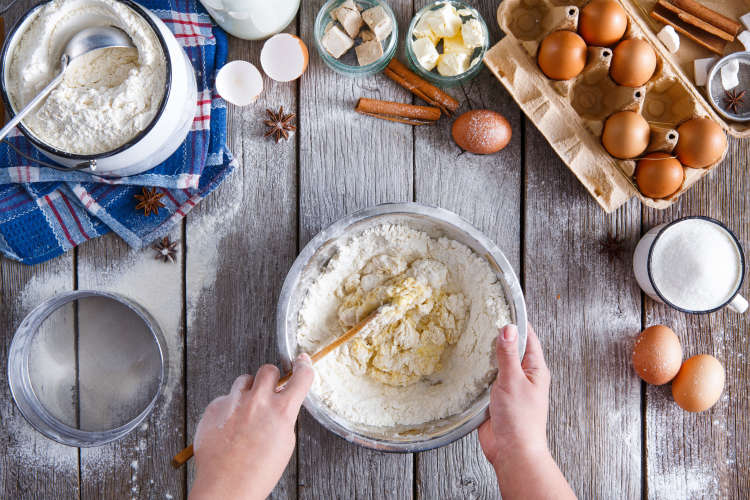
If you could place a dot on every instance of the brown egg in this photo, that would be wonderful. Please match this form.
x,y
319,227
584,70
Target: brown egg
x,y
659,175
698,385
657,355
626,134
633,63
562,55
702,143
602,22
481,131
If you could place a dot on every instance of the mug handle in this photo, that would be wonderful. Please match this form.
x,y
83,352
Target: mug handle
x,y
738,304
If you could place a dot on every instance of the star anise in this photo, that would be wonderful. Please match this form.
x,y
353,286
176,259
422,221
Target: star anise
x,y
279,125
734,100
612,247
166,249
149,201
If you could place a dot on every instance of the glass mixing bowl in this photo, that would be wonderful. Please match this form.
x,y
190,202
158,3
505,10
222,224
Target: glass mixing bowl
x,y
311,262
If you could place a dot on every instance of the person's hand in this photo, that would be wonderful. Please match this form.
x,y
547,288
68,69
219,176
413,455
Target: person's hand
x,y
245,439
518,398
514,438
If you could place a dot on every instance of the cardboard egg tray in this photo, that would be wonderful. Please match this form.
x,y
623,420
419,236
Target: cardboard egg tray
x,y
571,113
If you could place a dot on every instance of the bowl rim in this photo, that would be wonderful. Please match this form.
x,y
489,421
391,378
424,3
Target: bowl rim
x,y
140,11
321,20
473,416
432,76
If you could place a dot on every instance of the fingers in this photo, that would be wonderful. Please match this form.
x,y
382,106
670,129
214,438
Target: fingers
x,y
242,383
508,364
265,380
302,378
533,360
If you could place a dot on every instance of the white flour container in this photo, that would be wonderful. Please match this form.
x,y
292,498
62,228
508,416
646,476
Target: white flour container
x,y
158,140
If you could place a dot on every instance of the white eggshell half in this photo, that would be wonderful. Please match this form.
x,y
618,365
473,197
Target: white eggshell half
x,y
284,57
239,82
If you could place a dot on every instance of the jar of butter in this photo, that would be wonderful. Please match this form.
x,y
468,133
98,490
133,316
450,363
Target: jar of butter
x,y
252,19
446,42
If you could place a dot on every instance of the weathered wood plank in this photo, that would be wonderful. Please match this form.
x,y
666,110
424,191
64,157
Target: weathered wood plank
x,y
586,307
31,466
347,162
240,243
138,466
486,190
705,455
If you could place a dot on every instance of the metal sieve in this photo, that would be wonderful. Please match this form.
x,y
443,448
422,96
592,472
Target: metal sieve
x,y
87,367
715,90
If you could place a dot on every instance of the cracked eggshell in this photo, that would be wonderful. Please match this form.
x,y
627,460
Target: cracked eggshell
x,y
239,83
284,57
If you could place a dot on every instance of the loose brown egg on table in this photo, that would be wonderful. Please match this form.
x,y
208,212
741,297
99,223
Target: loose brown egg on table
x,y
659,175
626,134
699,384
633,62
481,131
562,55
701,143
657,355
602,23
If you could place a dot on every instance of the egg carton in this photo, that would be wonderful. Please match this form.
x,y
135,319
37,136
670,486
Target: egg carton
x,y
571,113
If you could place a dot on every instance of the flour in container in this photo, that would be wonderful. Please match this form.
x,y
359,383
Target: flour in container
x,y
107,97
429,361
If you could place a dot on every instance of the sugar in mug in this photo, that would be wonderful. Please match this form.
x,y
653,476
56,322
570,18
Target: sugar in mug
x,y
643,262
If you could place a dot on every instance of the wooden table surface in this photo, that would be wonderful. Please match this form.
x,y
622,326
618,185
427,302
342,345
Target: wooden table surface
x,y
613,436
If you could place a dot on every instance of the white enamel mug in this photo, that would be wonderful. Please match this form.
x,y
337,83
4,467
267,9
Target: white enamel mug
x,y
642,267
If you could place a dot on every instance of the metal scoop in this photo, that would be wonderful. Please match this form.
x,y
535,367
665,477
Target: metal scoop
x,y
85,41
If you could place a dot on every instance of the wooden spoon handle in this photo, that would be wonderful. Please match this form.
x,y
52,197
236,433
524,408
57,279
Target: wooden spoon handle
x,y
182,457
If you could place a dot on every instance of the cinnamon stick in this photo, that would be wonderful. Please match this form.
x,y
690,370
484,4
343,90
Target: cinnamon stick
x,y
707,40
410,114
693,20
402,75
712,17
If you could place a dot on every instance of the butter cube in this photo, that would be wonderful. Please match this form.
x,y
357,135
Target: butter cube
x,y
669,38
427,55
423,30
378,21
336,42
368,52
472,33
366,35
453,64
445,21
456,45
700,69
349,17
745,19
730,74
744,39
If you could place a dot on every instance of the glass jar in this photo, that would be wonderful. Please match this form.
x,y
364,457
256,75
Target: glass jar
x,y
252,19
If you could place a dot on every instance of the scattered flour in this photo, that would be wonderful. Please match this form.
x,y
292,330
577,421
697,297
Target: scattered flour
x,y
467,367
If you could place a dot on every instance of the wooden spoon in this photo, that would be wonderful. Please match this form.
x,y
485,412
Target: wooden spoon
x,y
182,457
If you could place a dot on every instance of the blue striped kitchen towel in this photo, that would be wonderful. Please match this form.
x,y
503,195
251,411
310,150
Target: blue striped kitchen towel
x,y
46,212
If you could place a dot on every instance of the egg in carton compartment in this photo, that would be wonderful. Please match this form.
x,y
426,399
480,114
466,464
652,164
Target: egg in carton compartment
x,y
571,113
